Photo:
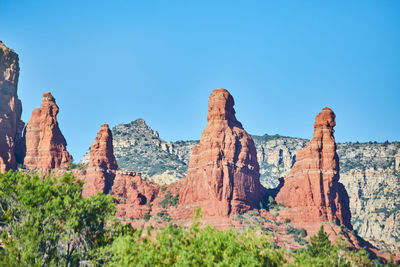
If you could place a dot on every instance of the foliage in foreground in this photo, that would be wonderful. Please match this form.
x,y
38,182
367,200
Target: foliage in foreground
x,y
47,222
321,252
174,246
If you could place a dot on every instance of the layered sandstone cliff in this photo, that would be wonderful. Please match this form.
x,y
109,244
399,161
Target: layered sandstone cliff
x,y
311,189
223,173
11,125
45,144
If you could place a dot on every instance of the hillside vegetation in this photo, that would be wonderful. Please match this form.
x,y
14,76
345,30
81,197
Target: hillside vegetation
x,y
46,222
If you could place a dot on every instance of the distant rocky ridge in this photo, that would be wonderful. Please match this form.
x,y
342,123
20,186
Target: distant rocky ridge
x,y
369,171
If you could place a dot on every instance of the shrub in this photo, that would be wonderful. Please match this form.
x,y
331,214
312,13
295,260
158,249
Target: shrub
x,y
164,215
174,246
169,200
321,252
303,232
147,217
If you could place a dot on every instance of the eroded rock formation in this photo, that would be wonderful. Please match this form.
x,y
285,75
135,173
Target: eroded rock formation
x,y
11,125
102,165
312,189
133,194
223,173
101,151
45,144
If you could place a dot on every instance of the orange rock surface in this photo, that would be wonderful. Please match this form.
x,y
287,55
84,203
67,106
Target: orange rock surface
x,y
223,173
133,194
11,125
312,189
102,165
45,144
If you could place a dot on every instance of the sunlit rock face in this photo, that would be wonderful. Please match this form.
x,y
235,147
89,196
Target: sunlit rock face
x,y
45,144
102,165
223,174
311,189
11,125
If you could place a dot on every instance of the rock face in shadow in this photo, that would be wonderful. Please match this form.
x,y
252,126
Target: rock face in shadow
x,y
45,144
223,174
11,125
102,165
312,190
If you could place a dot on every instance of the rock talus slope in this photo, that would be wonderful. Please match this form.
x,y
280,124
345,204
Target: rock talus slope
x,y
311,189
11,125
223,172
45,144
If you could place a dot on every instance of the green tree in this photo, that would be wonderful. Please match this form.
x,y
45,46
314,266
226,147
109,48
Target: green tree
x,y
196,246
320,244
48,222
321,252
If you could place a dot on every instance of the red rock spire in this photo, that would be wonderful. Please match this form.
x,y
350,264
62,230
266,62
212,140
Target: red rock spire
x,y
312,189
102,165
45,144
223,175
102,151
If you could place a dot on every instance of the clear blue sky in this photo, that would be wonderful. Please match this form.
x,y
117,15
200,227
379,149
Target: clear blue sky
x,y
283,61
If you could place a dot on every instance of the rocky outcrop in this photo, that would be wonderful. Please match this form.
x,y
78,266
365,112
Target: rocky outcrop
x,y
45,144
365,170
137,147
276,155
368,171
102,165
11,125
102,151
133,194
312,190
223,173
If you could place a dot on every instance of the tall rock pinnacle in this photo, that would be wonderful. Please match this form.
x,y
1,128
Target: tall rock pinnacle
x,y
102,152
11,125
312,189
102,164
45,144
223,175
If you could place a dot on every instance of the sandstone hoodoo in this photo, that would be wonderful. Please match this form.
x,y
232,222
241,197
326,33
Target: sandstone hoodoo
x,y
45,144
11,125
102,164
223,174
101,151
312,190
